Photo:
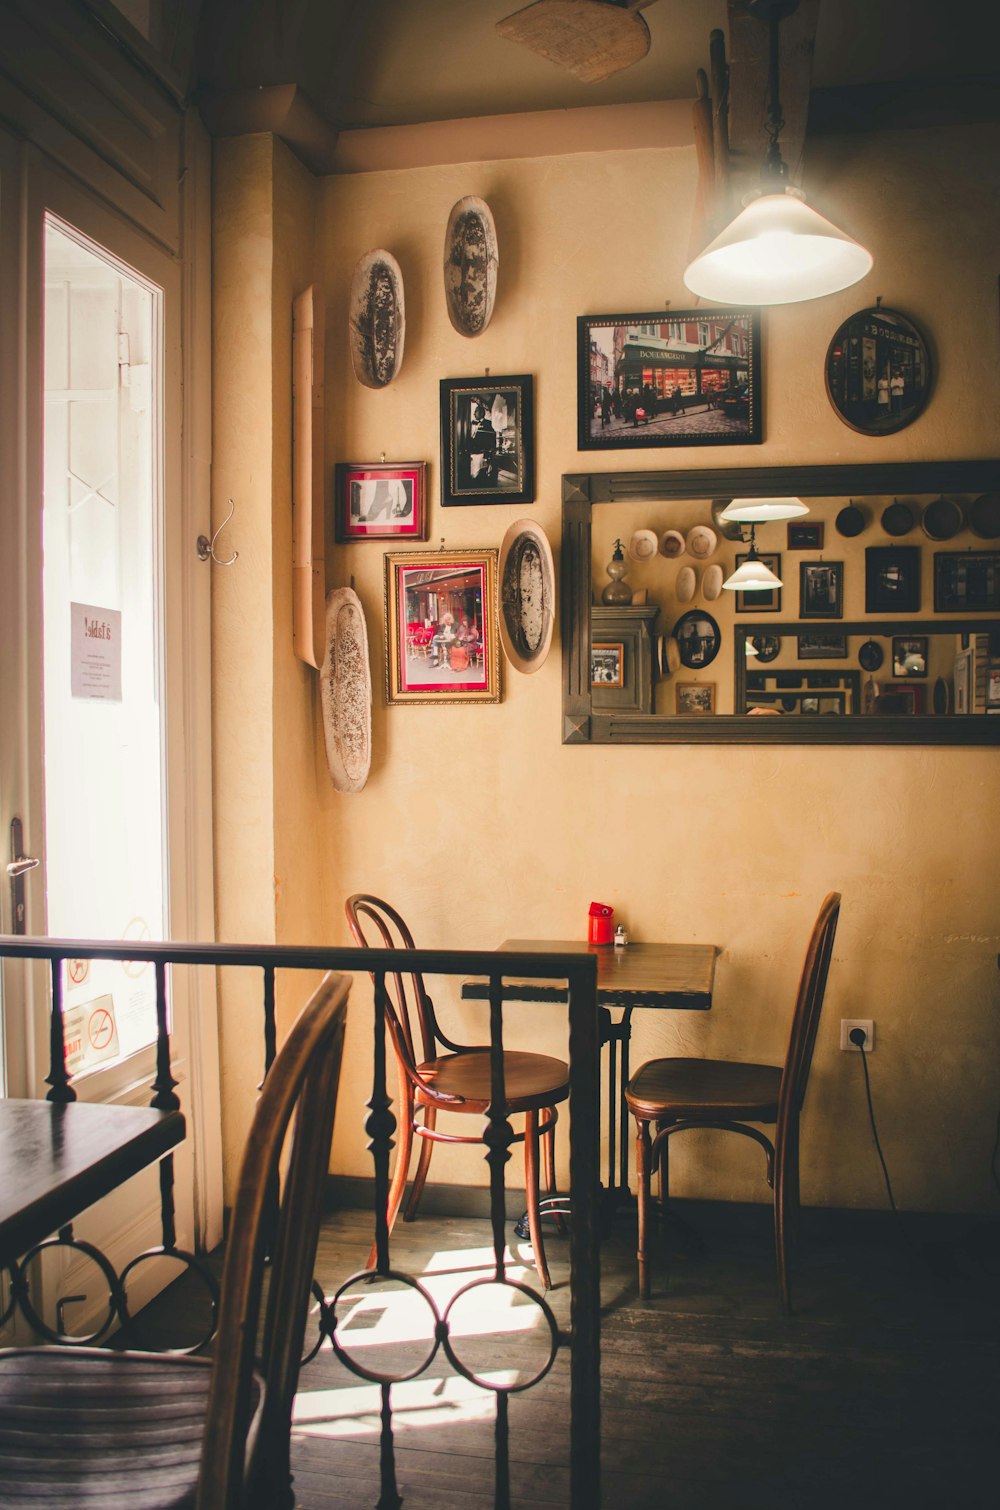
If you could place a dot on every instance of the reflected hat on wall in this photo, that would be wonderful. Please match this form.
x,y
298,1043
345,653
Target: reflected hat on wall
x,y
672,544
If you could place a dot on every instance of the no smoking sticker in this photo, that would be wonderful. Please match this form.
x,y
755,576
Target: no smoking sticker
x,y
91,1034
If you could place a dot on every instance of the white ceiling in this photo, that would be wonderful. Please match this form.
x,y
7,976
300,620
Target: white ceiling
x,y
393,62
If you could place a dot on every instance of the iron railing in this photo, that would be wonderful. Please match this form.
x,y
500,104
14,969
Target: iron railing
x,y
579,972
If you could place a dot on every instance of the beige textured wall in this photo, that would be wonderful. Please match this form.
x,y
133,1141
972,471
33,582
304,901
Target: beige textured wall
x,y
481,825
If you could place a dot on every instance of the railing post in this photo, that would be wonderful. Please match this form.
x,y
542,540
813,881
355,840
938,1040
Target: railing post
x,y
585,1279
57,1077
164,1099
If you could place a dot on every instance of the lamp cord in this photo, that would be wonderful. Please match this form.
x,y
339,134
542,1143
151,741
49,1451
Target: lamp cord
x,y
871,1118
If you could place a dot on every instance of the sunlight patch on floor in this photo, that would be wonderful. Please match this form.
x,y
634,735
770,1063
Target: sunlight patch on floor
x,y
354,1410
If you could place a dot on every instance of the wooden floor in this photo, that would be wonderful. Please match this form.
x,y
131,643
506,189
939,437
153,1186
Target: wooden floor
x,y
881,1391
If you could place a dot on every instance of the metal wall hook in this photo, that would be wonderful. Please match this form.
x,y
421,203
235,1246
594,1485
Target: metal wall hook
x,y
206,547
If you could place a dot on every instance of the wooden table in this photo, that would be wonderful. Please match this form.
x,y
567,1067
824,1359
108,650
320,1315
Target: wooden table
x,y
55,1161
673,977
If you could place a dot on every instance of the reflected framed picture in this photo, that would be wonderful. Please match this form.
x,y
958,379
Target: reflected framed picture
x,y
909,655
487,440
901,698
878,371
892,579
686,377
695,697
380,501
966,581
760,602
607,665
819,646
805,537
698,638
821,590
441,637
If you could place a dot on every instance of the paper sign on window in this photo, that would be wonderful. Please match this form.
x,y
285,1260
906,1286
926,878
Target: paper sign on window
x,y
96,652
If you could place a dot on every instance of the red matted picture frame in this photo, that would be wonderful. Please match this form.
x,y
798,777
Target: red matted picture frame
x,y
441,632
607,663
380,501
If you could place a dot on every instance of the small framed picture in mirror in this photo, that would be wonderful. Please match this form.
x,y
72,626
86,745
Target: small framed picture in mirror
x,y
821,590
892,579
909,655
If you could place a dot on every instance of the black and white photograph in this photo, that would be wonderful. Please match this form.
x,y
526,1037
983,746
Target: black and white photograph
x,y
607,665
821,590
487,440
380,501
892,579
695,697
698,638
669,378
817,645
805,537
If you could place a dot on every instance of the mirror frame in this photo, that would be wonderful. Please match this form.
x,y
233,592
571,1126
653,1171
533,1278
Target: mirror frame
x,y
583,724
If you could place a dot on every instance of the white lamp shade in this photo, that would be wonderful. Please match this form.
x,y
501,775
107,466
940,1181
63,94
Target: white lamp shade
x,y
777,251
761,510
752,576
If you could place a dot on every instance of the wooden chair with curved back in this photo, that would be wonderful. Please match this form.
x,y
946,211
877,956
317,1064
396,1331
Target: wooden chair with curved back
x,y
455,1081
677,1094
91,1427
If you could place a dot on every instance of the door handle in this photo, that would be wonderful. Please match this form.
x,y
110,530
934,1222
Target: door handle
x,y
18,866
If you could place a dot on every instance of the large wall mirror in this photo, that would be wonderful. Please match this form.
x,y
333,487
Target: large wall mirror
x,y
885,630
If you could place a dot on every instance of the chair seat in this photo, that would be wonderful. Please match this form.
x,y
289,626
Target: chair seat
x,y
85,1427
531,1081
681,1088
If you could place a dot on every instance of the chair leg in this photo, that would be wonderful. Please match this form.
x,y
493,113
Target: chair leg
x,y
642,1173
664,1170
401,1170
531,1196
548,1143
786,1211
423,1164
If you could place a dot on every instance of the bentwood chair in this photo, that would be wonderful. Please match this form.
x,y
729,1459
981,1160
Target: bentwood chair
x,y
84,1428
677,1094
455,1081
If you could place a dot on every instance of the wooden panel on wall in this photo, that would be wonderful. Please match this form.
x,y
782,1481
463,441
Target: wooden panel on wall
x,y
69,88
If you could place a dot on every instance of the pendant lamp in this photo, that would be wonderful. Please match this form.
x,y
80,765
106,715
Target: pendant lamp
x,y
777,250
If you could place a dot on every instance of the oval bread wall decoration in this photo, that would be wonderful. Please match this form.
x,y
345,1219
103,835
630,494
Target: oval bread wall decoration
x,y
471,260
378,319
346,692
527,595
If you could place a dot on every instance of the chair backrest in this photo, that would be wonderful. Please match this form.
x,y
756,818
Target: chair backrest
x,y
303,1081
409,1008
808,1006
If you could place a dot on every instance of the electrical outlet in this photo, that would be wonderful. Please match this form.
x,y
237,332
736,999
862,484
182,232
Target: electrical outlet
x,y
846,1025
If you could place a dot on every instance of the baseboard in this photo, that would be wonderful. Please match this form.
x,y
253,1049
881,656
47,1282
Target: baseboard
x,y
356,1193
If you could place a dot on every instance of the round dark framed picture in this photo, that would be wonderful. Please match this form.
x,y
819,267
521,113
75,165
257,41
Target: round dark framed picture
x,y
767,646
878,371
698,638
871,655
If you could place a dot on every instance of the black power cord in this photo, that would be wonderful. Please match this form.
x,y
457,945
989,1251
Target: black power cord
x,y
859,1037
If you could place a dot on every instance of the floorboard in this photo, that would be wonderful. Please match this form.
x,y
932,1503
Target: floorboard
x,y
881,1391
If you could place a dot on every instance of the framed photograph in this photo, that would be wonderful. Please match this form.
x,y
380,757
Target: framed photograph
x,y
993,690
487,440
892,579
878,371
695,697
441,638
607,665
901,698
909,655
819,646
821,590
698,638
669,378
805,537
380,501
966,581
767,647
760,602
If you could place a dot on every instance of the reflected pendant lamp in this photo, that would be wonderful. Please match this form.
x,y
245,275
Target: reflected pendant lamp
x,y
777,250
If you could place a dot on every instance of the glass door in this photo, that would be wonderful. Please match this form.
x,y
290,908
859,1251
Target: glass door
x,y
104,671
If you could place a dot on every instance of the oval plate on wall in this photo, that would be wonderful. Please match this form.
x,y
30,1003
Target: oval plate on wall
x,y
377,319
527,595
346,692
471,262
